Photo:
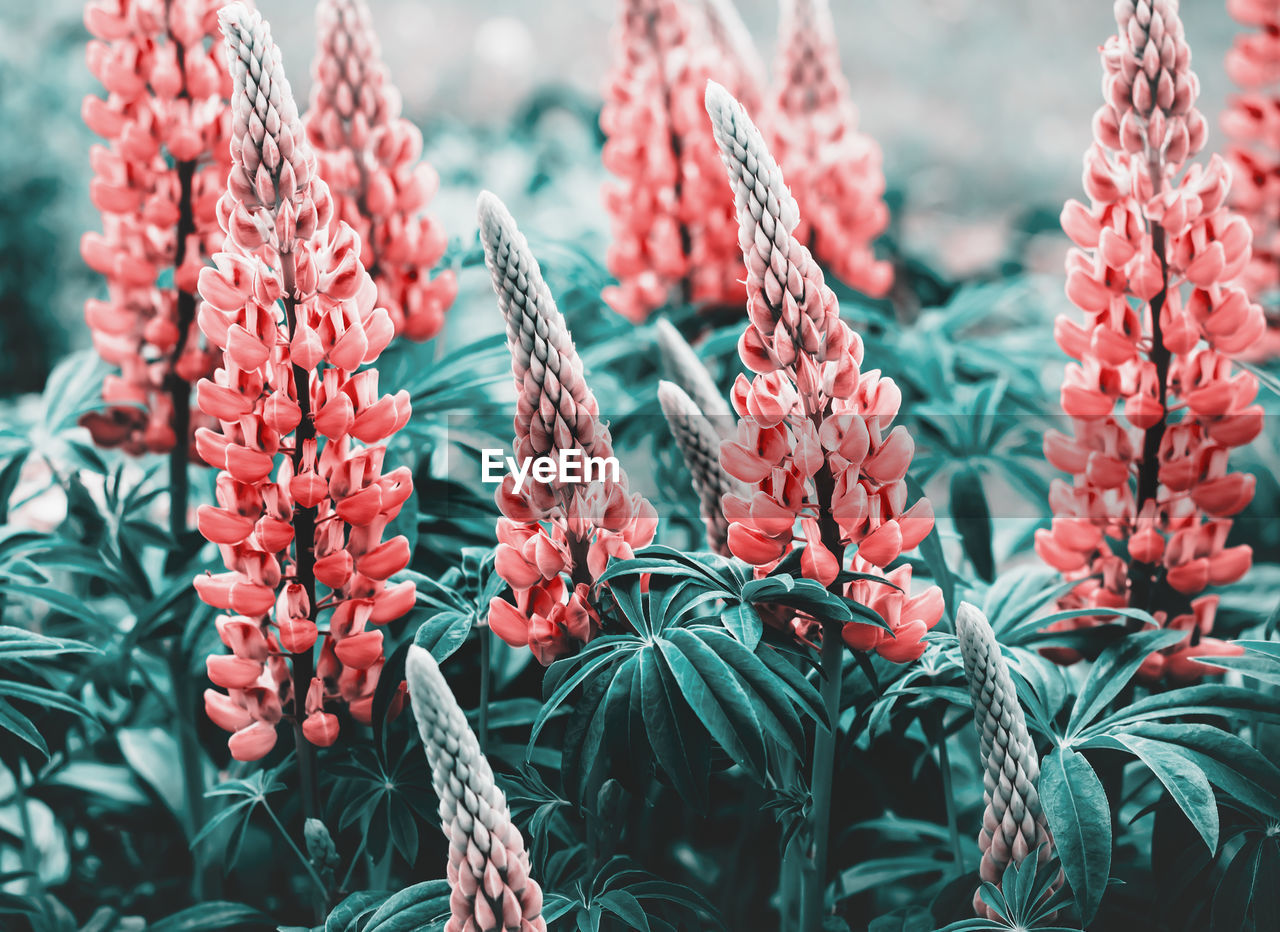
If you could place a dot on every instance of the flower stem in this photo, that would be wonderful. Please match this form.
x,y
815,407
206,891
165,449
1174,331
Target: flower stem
x,y
949,796
824,755
304,536
178,388
1142,576
485,647
302,859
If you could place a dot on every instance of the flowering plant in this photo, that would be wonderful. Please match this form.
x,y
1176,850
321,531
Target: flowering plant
x,y
748,630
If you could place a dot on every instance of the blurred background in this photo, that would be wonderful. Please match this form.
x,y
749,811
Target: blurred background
x,y
982,107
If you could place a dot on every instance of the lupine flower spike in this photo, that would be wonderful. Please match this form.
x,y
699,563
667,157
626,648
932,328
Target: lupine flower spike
x,y
1013,823
814,444
835,170
699,443
674,237
302,499
1252,123
488,865
1156,273
165,121
553,530
370,157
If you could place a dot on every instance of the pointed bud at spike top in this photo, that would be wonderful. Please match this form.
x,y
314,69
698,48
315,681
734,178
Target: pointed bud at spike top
x,y
474,814
265,122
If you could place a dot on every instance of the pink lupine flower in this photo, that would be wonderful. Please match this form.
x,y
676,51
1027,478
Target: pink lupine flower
x,y
910,618
302,498
370,157
488,865
834,170
674,235
814,443
550,530
1156,273
156,181
1252,123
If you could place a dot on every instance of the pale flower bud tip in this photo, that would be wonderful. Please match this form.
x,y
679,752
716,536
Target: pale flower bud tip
x,y
494,220
969,620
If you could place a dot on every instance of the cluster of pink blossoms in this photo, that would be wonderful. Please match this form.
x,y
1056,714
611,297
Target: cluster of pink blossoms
x,y
674,233
814,445
834,171
1156,273
369,156
549,530
1252,121
156,182
302,499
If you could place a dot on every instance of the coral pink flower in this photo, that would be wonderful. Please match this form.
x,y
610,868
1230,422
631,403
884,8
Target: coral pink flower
x,y
369,156
553,528
834,171
815,445
1156,273
302,499
1252,122
674,235
910,618
156,181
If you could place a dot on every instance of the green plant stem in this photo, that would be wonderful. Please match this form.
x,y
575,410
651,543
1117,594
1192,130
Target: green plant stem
x,y
948,792
321,909
812,904
485,647
355,859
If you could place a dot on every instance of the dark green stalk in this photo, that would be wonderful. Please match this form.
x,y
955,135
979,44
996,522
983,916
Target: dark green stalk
x,y
302,663
949,795
485,647
813,902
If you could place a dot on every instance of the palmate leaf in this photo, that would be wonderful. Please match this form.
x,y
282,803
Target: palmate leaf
x,y
1188,759
663,694
1113,670
1185,782
1024,901
622,896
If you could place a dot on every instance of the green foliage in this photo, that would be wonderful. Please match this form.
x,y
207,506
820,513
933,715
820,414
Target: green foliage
x,y
660,776
682,682
1025,900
